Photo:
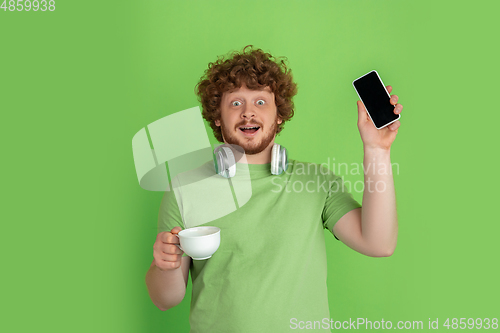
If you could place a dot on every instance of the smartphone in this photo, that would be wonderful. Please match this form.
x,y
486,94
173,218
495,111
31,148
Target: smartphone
x,y
371,91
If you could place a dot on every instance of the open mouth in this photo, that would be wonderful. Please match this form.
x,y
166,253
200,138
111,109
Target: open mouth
x,y
249,130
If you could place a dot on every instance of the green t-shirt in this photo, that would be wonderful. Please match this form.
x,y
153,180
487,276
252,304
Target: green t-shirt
x,y
271,263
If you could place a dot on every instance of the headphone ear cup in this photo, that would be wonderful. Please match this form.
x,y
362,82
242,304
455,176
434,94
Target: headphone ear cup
x,y
284,159
275,159
279,159
217,156
231,162
224,162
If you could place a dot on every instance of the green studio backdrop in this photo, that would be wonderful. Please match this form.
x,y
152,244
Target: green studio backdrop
x,y
78,82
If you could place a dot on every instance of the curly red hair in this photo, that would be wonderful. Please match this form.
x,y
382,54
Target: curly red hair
x,y
256,69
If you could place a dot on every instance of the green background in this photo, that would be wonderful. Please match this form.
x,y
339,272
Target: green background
x,y
77,83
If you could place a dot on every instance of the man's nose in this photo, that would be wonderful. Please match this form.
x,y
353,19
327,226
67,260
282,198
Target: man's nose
x,y
248,111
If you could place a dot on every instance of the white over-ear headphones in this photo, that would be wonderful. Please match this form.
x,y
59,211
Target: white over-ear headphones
x,y
225,163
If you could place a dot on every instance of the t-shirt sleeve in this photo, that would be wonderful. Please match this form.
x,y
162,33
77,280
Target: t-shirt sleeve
x,y
169,215
338,202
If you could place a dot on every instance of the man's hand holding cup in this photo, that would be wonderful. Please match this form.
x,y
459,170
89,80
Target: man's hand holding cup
x,y
166,253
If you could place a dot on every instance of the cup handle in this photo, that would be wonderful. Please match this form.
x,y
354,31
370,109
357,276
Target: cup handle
x,y
178,245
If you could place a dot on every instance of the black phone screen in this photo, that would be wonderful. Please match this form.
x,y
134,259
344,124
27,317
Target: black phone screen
x,y
375,98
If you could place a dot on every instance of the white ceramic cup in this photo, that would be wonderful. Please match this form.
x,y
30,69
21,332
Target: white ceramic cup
x,y
199,242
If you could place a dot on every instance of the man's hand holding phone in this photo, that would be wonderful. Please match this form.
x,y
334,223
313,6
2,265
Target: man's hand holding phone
x,y
378,138
166,253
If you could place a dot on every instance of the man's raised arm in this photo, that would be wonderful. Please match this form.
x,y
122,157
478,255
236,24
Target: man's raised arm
x,y
373,229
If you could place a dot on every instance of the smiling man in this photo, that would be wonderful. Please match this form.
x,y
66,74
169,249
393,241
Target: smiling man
x,y
269,272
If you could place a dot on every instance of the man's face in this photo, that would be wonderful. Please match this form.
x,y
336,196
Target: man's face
x,y
244,108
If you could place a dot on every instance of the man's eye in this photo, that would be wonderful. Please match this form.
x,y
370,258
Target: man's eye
x,y
261,102
236,103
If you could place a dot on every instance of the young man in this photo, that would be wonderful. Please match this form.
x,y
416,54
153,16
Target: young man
x,y
270,267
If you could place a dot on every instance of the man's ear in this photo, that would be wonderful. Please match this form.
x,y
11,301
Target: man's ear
x,y
280,120
217,122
